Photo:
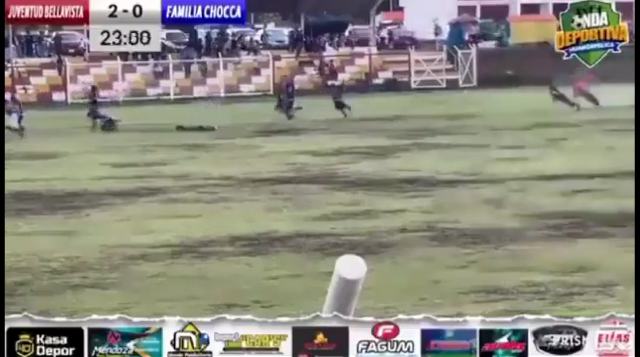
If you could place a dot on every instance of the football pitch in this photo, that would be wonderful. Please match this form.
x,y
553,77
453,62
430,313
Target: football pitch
x,y
462,203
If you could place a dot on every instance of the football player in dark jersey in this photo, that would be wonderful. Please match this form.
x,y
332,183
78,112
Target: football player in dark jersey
x,y
289,98
96,116
337,94
558,96
13,109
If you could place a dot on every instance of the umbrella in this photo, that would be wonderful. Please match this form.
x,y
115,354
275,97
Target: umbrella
x,y
464,19
319,25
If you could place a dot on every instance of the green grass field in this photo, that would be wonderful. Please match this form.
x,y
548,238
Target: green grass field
x,y
484,202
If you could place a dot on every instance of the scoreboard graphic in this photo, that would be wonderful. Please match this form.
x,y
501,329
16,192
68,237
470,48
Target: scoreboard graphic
x,y
125,25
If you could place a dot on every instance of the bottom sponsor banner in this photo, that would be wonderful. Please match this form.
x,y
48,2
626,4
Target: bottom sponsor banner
x,y
558,340
267,341
438,342
615,338
125,342
612,336
503,342
384,339
45,342
189,341
320,341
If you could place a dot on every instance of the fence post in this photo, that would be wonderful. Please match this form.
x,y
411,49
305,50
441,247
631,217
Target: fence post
x,y
474,52
67,77
370,60
459,66
346,283
120,78
411,67
171,79
221,75
272,68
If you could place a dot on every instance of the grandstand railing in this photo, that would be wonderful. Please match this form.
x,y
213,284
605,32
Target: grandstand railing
x,y
121,81
171,79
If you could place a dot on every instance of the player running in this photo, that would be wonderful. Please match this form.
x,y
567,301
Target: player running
x,y
337,93
581,89
558,96
287,98
96,116
13,109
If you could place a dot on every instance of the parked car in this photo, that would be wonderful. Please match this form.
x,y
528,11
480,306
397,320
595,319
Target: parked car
x,y
246,32
174,41
358,36
273,38
492,31
403,38
72,43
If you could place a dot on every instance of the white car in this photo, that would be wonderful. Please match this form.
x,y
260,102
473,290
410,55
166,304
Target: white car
x,y
72,43
174,40
247,32
273,32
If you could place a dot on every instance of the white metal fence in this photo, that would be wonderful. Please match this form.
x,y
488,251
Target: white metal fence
x,y
171,79
438,69
119,81
242,76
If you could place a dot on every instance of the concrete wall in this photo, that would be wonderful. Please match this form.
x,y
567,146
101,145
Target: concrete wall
x,y
540,65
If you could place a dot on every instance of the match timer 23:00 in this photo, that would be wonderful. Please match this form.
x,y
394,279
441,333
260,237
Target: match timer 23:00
x,y
125,26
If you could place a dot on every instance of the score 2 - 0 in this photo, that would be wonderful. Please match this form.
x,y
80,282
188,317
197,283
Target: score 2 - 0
x,y
125,25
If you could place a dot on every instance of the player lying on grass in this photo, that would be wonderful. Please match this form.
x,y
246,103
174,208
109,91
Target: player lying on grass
x,y
337,93
106,122
13,109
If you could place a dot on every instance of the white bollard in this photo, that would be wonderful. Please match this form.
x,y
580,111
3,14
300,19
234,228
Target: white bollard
x,y
346,283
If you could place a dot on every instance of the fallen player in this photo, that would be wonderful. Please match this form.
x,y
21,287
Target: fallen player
x,y
97,117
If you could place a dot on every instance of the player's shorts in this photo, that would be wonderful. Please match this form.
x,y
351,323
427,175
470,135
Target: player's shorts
x,y
96,114
339,104
288,104
15,120
580,89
